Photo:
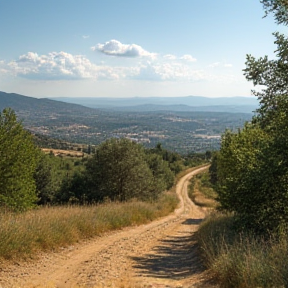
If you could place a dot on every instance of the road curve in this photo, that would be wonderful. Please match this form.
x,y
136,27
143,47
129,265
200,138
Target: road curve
x,y
159,254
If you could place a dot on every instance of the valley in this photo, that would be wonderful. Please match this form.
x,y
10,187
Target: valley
x,y
180,131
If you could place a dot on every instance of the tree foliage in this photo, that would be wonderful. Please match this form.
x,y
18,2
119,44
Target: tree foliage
x,y
252,166
279,8
18,160
118,171
163,177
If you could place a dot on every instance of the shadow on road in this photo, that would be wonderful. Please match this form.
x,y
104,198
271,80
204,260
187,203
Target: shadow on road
x,y
175,258
192,221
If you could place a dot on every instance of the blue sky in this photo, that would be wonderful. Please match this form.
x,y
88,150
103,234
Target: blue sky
x,y
127,48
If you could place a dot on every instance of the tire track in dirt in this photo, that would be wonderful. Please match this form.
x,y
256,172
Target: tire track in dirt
x,y
159,254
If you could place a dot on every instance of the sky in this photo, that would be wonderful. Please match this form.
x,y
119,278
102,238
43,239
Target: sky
x,y
128,48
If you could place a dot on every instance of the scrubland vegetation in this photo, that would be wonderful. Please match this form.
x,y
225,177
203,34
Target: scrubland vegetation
x,y
237,257
245,244
56,201
242,259
48,228
201,191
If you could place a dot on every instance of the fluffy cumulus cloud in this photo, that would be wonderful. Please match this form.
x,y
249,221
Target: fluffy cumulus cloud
x,y
65,66
59,66
168,72
116,48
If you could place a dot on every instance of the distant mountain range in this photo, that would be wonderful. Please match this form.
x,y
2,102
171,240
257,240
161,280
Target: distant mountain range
x,y
136,104
189,103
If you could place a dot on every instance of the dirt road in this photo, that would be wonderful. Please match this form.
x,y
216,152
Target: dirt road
x,y
159,254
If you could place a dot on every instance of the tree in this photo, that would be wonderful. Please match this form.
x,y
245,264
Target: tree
x,y
118,171
213,168
163,177
44,179
18,160
279,8
74,190
252,166
241,184
172,158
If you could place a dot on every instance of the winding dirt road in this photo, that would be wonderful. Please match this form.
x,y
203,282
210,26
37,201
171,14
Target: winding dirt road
x,y
159,254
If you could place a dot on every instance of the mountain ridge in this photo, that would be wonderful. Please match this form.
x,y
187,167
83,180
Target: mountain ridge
x,y
192,101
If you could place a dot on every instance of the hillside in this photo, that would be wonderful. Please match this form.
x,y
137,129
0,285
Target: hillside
x,y
21,103
181,131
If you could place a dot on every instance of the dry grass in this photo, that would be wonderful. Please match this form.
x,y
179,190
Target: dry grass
x,y
48,228
184,172
59,152
201,192
242,260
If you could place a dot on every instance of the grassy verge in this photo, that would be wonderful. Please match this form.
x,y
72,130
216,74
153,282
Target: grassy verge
x,y
44,229
201,191
184,172
242,260
237,259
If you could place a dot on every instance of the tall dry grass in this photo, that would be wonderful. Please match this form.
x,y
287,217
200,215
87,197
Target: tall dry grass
x,y
201,192
48,228
242,259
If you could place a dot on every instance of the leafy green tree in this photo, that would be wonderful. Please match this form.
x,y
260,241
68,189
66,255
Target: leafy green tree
x,y
163,177
46,184
118,171
174,159
252,167
213,168
18,161
74,190
240,163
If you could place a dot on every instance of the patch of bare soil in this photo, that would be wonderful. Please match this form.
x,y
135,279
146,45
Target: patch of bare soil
x,y
59,152
160,254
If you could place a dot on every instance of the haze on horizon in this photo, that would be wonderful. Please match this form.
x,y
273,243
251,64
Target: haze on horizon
x,y
131,48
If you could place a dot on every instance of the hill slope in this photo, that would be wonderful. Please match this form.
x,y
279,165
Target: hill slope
x,y
181,131
24,103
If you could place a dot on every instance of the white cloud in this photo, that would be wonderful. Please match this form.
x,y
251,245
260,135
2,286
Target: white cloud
x,y
185,57
169,72
215,64
116,48
59,66
170,57
219,64
188,58
85,36
65,66
3,67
